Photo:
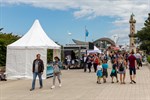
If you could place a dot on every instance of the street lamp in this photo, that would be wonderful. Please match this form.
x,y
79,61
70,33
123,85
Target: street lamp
x,y
69,34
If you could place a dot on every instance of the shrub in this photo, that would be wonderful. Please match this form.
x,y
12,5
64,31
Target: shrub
x,y
148,58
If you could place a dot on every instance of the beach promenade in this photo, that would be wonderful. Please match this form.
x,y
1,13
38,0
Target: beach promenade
x,y
77,85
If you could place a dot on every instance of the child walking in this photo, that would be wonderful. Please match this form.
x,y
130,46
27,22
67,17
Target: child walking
x,y
105,73
114,72
99,73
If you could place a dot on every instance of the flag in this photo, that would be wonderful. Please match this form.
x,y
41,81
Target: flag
x,y
86,33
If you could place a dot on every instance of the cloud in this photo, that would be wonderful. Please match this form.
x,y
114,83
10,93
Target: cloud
x,y
99,7
120,10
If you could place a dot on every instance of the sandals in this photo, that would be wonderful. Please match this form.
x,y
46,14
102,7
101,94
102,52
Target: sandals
x,y
133,81
98,82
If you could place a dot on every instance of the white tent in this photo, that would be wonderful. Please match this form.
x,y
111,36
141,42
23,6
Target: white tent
x,y
96,50
20,54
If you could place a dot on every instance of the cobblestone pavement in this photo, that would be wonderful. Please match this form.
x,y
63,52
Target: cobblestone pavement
x,y
77,85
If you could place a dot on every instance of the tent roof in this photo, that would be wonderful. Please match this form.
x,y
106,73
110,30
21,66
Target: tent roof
x,y
95,48
35,38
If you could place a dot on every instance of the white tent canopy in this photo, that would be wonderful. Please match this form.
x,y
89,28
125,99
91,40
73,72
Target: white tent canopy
x,y
35,37
20,54
96,50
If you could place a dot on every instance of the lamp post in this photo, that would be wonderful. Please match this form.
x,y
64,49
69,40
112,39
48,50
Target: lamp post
x,y
115,40
101,45
69,34
148,5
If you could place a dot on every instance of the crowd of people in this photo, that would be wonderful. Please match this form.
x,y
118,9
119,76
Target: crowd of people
x,y
120,62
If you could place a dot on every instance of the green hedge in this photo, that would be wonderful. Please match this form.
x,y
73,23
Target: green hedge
x,y
148,58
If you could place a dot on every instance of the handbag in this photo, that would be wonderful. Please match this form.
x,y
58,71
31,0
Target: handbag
x,y
113,71
56,69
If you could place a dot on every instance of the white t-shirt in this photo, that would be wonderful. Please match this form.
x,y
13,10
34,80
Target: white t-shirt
x,y
138,55
68,58
36,65
85,59
99,67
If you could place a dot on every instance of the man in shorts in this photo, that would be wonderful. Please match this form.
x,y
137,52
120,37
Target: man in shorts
x,y
132,67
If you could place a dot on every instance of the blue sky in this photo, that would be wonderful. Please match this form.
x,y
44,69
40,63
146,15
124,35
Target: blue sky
x,y
59,18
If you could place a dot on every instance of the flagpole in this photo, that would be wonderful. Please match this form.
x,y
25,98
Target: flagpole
x,y
85,33
85,39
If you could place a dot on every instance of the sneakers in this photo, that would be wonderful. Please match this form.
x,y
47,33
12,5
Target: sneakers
x,y
53,87
40,87
112,82
59,85
105,81
31,89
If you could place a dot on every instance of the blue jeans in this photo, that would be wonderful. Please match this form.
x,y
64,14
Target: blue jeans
x,y
34,79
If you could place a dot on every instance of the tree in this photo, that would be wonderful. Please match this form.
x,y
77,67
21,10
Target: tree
x,y
143,36
5,39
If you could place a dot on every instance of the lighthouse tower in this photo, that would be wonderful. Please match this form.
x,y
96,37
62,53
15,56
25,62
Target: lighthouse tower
x,y
132,22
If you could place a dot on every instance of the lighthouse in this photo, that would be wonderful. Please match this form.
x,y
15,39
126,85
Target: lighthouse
x,y
132,22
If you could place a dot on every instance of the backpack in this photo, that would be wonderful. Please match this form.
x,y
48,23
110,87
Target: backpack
x,y
121,67
105,57
56,69
96,60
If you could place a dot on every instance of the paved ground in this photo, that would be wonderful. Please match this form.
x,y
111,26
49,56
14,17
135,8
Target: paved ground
x,y
77,85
